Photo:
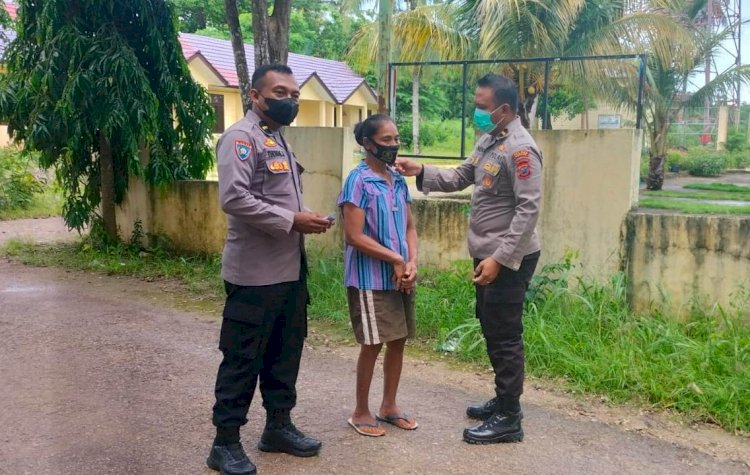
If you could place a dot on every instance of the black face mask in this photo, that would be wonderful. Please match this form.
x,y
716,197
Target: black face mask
x,y
385,153
281,111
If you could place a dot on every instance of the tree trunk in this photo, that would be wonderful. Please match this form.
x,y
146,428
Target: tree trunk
x,y
415,110
271,33
385,19
107,179
238,46
658,153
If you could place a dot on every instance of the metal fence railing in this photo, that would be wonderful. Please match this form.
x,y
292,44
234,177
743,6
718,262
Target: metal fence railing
x,y
547,70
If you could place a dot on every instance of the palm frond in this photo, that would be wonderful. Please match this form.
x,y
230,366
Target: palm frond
x,y
722,86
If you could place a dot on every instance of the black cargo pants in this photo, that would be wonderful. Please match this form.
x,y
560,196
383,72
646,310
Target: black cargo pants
x,y
499,309
262,334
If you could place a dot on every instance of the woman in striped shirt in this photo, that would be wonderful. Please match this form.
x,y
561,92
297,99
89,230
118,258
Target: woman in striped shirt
x,y
380,270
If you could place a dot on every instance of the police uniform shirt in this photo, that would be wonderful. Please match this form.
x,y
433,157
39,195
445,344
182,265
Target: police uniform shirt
x,y
506,171
260,191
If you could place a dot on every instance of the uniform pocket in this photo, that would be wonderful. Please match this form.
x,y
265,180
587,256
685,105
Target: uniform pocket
x,y
277,177
240,338
242,328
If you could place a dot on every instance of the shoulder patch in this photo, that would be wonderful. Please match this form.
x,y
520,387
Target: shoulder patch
x,y
523,169
520,155
242,149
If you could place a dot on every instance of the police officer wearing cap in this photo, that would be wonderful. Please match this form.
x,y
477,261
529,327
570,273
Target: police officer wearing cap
x,y
506,171
264,270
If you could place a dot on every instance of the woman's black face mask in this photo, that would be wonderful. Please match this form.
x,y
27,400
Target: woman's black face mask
x,y
385,153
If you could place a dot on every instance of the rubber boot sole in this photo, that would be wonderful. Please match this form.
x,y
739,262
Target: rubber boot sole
x,y
505,438
214,465
266,447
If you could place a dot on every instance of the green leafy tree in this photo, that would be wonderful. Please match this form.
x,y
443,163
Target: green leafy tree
x,y
420,33
490,29
91,84
669,75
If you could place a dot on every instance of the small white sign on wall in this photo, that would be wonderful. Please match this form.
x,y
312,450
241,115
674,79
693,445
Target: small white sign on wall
x,y
609,121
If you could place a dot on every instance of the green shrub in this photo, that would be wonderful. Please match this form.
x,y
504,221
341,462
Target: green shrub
x,y
404,131
17,181
739,159
676,161
431,132
703,162
736,141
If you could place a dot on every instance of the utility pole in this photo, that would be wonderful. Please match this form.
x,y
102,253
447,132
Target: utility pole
x,y
385,17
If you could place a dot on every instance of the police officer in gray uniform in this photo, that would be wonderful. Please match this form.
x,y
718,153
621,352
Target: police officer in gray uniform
x,y
264,270
506,171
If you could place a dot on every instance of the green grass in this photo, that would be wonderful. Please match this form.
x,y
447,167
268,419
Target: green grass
x,y
726,187
43,205
590,339
200,274
701,195
691,207
450,146
586,338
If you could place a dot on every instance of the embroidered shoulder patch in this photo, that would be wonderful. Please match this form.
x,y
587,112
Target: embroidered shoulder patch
x,y
242,149
523,167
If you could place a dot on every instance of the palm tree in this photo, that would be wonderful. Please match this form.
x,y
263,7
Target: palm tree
x,y
420,33
469,29
565,28
668,76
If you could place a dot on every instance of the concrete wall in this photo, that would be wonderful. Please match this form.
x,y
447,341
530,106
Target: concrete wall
x,y
4,137
627,118
675,261
590,184
590,180
187,213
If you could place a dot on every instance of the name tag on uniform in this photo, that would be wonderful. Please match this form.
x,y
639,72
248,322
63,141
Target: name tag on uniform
x,y
493,168
278,166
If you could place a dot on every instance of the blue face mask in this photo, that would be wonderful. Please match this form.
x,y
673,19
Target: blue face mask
x,y
483,120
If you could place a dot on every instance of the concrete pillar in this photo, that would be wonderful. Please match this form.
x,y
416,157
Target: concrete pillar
x,y
723,127
340,115
321,114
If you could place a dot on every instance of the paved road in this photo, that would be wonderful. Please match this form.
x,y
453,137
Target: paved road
x,y
105,375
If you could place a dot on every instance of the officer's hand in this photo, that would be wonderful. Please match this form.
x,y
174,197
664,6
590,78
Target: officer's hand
x,y
310,223
486,272
408,167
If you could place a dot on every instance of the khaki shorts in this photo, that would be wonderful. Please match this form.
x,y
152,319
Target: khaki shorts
x,y
380,316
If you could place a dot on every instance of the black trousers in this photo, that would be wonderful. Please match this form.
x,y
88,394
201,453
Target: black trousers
x,y
262,334
500,310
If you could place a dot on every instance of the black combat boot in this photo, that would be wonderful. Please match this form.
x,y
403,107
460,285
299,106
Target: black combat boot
x,y
280,435
230,459
482,412
502,426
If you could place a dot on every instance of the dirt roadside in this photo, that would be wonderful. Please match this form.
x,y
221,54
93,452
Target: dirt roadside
x,y
107,375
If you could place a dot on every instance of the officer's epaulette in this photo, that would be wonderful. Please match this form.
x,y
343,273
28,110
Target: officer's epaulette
x,y
265,128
